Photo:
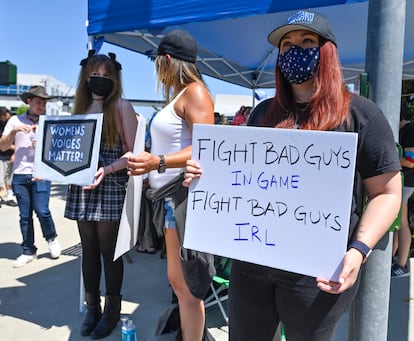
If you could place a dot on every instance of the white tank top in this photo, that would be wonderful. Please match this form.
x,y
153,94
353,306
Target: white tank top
x,y
169,134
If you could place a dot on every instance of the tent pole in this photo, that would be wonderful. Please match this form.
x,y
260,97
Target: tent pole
x,y
385,28
90,43
411,306
253,97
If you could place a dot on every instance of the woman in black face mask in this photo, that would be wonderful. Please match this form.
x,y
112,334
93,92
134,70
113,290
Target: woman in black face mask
x,y
100,85
97,208
311,95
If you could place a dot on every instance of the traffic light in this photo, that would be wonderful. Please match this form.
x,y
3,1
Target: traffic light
x,y
8,73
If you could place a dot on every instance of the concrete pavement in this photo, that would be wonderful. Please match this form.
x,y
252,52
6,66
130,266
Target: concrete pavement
x,y
41,301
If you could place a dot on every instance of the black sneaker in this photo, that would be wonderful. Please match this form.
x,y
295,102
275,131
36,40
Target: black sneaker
x,y
11,203
398,271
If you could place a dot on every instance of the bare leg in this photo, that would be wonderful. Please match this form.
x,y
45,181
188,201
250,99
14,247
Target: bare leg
x,y
394,242
404,237
192,314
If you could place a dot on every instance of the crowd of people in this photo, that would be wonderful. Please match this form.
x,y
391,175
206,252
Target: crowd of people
x,y
311,96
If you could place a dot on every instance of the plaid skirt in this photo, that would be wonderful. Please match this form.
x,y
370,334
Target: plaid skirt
x,y
105,202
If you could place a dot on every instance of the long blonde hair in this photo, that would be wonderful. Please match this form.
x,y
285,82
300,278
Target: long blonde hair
x,y
175,75
83,96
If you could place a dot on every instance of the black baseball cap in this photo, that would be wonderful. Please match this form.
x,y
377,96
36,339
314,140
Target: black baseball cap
x,y
303,20
178,44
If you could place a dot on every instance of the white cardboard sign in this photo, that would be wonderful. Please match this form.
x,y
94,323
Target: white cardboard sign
x,y
275,197
67,148
128,226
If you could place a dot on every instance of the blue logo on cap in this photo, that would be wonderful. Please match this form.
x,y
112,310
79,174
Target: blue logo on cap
x,y
301,17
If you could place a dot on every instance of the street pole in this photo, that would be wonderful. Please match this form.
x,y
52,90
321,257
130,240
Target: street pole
x,y
411,306
384,58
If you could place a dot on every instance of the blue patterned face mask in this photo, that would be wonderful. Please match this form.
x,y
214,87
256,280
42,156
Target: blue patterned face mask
x,y
299,64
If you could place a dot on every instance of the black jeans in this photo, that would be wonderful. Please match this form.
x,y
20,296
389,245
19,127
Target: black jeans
x,y
260,297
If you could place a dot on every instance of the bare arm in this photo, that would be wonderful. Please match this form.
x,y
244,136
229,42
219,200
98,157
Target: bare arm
x,y
6,141
384,201
194,106
129,121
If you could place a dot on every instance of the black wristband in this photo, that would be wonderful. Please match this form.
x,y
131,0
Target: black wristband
x,y
162,166
363,248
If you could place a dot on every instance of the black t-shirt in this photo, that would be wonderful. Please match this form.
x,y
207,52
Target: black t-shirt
x,y
406,139
376,150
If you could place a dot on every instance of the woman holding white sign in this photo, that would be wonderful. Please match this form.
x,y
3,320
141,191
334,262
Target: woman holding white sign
x,y
188,102
311,95
97,208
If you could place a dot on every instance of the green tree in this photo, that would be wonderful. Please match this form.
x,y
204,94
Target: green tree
x,y
22,109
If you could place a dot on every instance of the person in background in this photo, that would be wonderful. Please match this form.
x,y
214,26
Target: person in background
x,y
218,119
241,117
188,102
31,193
402,236
311,95
97,208
6,164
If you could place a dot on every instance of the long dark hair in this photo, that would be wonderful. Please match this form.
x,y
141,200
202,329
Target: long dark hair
x,y
83,96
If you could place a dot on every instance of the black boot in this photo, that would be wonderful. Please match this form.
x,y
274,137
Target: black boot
x,y
110,317
93,313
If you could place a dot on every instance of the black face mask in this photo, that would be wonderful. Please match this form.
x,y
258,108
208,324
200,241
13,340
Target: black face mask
x,y
100,86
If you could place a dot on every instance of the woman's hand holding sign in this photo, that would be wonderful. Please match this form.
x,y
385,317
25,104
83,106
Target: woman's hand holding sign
x,y
142,163
192,171
348,276
99,175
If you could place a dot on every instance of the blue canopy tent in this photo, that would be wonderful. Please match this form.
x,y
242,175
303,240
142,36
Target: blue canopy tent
x,y
232,34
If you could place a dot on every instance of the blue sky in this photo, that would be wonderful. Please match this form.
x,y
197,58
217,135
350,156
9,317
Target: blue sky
x,y
49,37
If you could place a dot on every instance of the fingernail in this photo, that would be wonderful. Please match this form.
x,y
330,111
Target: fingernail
x,y
341,280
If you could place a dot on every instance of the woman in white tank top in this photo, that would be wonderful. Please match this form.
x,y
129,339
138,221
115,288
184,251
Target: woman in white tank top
x,y
188,102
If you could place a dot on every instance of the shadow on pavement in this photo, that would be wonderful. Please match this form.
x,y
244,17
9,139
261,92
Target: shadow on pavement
x,y
50,297
10,250
59,191
46,297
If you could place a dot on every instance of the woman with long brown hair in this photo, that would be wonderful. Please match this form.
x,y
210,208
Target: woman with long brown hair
x,y
97,208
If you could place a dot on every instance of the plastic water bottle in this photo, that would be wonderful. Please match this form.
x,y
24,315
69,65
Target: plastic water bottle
x,y
128,330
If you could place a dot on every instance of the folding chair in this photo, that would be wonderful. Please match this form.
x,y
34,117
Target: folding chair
x,y
220,285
